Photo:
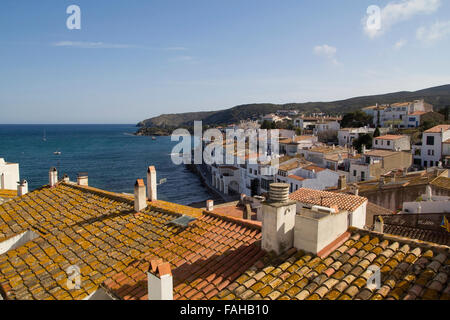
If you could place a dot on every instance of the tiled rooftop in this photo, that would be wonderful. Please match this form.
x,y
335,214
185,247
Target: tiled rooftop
x,y
329,199
380,153
205,258
390,137
293,176
314,167
409,270
214,257
437,129
100,233
441,182
441,237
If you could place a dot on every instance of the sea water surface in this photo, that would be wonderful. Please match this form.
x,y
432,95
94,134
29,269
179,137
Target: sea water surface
x,y
111,155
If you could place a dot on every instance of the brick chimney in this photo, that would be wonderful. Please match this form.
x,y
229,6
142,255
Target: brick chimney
x,y
342,182
82,179
209,205
152,184
22,188
160,281
52,177
140,197
278,219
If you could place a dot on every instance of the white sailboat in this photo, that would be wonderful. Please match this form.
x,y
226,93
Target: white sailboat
x,y
44,138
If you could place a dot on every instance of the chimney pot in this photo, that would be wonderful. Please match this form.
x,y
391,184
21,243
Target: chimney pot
x,y
279,192
209,205
82,179
66,178
379,225
278,219
342,182
52,177
152,184
22,188
140,198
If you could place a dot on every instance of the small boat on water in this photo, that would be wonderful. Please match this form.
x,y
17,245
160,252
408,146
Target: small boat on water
x,y
57,153
44,138
153,138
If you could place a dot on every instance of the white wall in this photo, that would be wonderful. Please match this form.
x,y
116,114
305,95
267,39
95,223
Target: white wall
x,y
314,231
9,175
358,217
427,207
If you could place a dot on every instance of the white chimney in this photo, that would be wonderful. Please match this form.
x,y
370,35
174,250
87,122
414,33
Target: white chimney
x,y
22,188
160,281
152,184
278,219
209,205
52,177
66,178
82,179
140,198
379,225
429,193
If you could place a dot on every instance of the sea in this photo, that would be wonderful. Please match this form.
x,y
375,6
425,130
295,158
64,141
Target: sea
x,y
111,155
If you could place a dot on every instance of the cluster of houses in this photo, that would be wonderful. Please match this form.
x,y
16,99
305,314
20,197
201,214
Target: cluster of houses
x,y
305,162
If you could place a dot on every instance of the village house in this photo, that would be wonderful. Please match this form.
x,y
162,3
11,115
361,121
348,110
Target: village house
x,y
374,163
292,146
398,114
346,136
392,142
433,148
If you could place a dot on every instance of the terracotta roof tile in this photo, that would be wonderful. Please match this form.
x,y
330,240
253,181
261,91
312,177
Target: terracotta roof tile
x,y
325,198
437,129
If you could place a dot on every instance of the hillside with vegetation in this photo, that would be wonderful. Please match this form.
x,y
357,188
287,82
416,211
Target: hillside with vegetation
x,y
439,97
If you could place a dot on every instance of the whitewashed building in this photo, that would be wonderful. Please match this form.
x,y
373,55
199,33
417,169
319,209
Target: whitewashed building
x,y
9,175
431,152
392,142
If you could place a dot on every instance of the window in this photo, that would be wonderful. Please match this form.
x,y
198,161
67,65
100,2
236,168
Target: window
x,y
388,143
363,176
376,141
354,173
430,141
431,152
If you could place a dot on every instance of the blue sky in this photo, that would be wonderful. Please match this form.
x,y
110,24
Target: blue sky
x,y
136,59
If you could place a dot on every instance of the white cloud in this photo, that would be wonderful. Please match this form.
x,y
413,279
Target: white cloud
x,y
398,11
175,49
436,31
92,45
182,59
328,52
400,44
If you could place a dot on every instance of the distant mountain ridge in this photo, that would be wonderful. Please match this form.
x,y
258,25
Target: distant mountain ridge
x,y
438,96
